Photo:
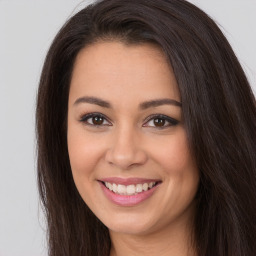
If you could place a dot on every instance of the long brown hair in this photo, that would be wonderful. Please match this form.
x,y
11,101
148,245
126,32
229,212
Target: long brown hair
x,y
218,108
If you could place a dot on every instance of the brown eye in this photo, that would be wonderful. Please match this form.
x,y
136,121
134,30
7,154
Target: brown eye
x,y
159,122
97,120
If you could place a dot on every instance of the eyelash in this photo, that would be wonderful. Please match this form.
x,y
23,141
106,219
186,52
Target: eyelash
x,y
171,121
84,119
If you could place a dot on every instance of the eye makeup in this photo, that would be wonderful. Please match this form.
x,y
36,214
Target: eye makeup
x,y
158,121
95,119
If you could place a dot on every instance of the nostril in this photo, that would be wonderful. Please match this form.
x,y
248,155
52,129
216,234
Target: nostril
x,y
125,158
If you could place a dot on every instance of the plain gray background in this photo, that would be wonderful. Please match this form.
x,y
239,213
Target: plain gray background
x,y
27,28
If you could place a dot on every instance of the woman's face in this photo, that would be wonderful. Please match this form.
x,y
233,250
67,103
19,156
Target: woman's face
x,y
127,144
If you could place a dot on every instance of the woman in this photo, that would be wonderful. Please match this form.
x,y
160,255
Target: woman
x,y
146,135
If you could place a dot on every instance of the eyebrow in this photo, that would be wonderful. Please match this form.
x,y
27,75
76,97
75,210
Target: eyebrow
x,y
159,102
93,100
143,105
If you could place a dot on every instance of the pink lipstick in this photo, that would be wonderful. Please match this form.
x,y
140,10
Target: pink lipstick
x,y
128,192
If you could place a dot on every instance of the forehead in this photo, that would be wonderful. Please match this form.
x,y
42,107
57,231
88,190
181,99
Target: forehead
x,y
119,71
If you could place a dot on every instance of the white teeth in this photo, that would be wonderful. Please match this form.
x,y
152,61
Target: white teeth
x,y
121,189
114,187
130,189
139,188
150,185
145,186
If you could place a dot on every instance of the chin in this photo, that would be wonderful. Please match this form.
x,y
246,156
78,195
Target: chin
x,y
132,224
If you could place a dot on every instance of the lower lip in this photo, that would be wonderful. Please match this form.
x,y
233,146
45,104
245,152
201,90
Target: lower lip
x,y
125,200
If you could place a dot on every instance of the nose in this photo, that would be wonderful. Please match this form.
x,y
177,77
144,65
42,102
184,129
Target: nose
x,y
125,150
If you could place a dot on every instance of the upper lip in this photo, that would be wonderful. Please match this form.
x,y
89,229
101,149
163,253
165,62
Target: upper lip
x,y
128,181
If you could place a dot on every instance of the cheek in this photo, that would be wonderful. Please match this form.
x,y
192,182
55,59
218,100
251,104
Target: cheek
x,y
174,154
180,172
84,155
180,168
84,152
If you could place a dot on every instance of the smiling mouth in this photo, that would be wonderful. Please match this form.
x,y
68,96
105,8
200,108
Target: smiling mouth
x,y
130,190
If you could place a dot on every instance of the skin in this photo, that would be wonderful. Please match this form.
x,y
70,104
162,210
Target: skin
x,y
129,144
